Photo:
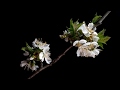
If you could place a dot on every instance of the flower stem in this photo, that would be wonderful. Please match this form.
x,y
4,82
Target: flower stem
x,y
54,61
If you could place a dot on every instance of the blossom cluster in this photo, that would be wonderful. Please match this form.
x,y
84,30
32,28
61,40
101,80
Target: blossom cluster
x,y
88,44
39,52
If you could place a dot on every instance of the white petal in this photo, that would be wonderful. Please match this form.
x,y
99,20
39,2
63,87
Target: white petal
x,y
95,44
75,42
95,38
34,67
23,63
31,58
46,49
66,39
94,28
48,60
41,56
94,34
87,44
78,53
92,54
96,51
82,41
90,26
34,43
84,30
26,53
65,32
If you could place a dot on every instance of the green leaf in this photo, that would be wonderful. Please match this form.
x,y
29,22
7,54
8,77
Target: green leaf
x,y
102,39
28,47
100,44
71,29
101,33
24,48
71,24
76,26
96,18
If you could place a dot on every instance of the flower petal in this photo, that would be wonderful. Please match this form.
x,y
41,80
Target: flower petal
x,y
76,42
48,60
96,51
31,58
78,53
90,26
23,63
95,38
84,30
34,67
26,53
41,56
82,41
66,39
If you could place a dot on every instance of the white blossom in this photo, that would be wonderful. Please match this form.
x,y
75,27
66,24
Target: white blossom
x,y
28,66
45,55
40,44
66,32
89,31
86,49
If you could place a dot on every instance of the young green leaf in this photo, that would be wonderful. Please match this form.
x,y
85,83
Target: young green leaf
x,y
96,18
28,47
100,44
76,25
24,48
101,33
71,24
102,39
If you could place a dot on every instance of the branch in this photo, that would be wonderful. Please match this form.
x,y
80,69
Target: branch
x,y
100,21
54,61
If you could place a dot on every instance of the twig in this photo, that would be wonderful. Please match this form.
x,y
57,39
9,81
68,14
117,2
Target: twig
x,y
54,61
100,21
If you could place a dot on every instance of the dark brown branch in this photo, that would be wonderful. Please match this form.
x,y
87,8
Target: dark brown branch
x,y
54,61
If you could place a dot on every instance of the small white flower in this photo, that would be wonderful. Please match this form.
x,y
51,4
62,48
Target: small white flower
x,y
40,44
31,58
87,49
28,66
88,31
45,55
65,32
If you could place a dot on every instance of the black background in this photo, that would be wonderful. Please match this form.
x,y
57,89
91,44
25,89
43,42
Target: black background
x,y
48,20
